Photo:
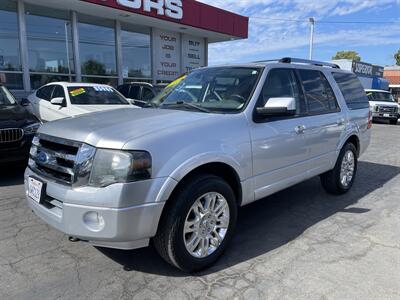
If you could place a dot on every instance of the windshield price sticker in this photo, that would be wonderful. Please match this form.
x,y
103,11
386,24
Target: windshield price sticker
x,y
77,92
103,89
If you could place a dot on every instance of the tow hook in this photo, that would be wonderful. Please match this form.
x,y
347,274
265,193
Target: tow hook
x,y
73,239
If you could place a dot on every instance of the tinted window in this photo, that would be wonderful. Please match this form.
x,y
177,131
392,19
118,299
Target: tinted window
x,y
319,95
147,94
134,93
124,90
281,83
352,90
95,95
45,92
58,92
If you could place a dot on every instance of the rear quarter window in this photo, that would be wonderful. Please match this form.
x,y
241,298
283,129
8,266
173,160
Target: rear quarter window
x,y
352,90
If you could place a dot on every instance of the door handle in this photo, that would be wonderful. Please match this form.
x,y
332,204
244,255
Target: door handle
x,y
300,129
341,121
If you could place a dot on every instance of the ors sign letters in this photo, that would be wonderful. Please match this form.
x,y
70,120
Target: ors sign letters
x,y
170,8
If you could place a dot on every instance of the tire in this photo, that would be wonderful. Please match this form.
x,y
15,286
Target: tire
x,y
331,181
170,238
393,122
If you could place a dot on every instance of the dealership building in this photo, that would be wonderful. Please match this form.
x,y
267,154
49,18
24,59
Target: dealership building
x,y
108,41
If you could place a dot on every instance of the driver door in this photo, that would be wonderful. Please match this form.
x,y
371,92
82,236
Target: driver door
x,y
279,145
53,111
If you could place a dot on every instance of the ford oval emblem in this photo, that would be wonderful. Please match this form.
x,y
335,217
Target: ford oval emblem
x,y
42,157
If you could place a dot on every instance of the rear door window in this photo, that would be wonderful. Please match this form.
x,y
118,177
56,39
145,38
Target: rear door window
x,y
134,92
352,90
319,94
124,89
147,94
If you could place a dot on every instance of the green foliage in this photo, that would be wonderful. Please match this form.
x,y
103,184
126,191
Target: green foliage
x,y
93,67
397,57
353,55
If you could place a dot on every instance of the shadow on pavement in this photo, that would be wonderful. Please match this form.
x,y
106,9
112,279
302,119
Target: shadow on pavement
x,y
272,222
12,175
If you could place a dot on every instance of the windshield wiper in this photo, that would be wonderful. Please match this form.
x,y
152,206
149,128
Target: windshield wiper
x,y
188,104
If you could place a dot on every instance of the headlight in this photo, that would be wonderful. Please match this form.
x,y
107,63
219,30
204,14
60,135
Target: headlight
x,y
31,129
111,166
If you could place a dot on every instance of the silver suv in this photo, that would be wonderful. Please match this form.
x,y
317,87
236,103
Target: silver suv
x,y
177,171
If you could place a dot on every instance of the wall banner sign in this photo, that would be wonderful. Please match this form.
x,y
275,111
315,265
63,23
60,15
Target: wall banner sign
x,y
361,68
170,8
193,52
166,55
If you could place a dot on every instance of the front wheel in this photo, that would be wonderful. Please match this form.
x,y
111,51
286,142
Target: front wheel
x,y
393,122
341,178
198,224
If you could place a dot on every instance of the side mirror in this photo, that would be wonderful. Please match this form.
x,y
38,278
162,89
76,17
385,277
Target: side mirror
x,y
24,102
58,101
284,106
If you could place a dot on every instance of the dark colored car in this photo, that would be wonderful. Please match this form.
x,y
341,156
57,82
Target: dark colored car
x,y
139,92
17,128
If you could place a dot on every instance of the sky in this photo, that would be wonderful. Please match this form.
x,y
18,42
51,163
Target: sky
x,y
272,35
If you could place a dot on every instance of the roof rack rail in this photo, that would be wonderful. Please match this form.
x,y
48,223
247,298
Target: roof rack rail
x,y
290,60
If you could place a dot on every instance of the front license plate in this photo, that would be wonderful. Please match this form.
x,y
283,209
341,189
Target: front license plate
x,y
386,115
35,188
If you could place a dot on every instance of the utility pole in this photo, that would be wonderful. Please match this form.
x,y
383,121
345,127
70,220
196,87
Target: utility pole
x,y
312,22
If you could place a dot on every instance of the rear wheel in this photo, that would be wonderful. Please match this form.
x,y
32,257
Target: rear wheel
x,y
393,122
341,178
198,224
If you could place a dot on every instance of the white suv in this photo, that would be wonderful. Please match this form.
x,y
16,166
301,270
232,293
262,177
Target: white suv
x,y
62,99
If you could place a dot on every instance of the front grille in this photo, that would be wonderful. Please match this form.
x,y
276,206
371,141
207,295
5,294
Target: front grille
x,y
55,158
11,135
388,109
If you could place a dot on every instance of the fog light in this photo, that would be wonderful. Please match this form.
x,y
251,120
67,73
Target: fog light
x,y
94,221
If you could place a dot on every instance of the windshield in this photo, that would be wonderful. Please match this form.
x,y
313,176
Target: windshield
x,y
211,90
380,96
95,95
6,98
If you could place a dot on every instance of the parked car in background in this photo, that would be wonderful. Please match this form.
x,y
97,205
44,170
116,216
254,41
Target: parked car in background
x,y
177,173
383,105
17,128
63,99
139,93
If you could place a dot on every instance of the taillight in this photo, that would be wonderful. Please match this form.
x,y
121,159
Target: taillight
x,y
370,120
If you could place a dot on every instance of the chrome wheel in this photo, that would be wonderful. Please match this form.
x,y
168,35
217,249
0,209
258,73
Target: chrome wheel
x,y
347,168
206,225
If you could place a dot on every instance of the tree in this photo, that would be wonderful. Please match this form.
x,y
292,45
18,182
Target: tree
x,y
397,57
353,55
93,67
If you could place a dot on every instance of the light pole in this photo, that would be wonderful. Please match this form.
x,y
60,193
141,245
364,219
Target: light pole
x,y
312,22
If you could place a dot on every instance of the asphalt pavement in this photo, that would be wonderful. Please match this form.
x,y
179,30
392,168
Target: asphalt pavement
x,y
298,244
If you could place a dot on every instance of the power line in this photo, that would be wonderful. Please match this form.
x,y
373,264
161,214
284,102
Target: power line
x,y
322,21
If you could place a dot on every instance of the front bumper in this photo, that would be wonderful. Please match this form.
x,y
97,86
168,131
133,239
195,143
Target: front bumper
x,y
127,227
387,116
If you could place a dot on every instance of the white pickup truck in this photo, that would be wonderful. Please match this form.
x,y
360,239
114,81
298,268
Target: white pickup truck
x,y
62,99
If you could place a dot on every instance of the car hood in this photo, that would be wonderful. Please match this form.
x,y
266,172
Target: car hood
x,y
82,109
15,116
383,103
113,129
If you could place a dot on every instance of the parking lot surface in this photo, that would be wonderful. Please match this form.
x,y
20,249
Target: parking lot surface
x,y
298,244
